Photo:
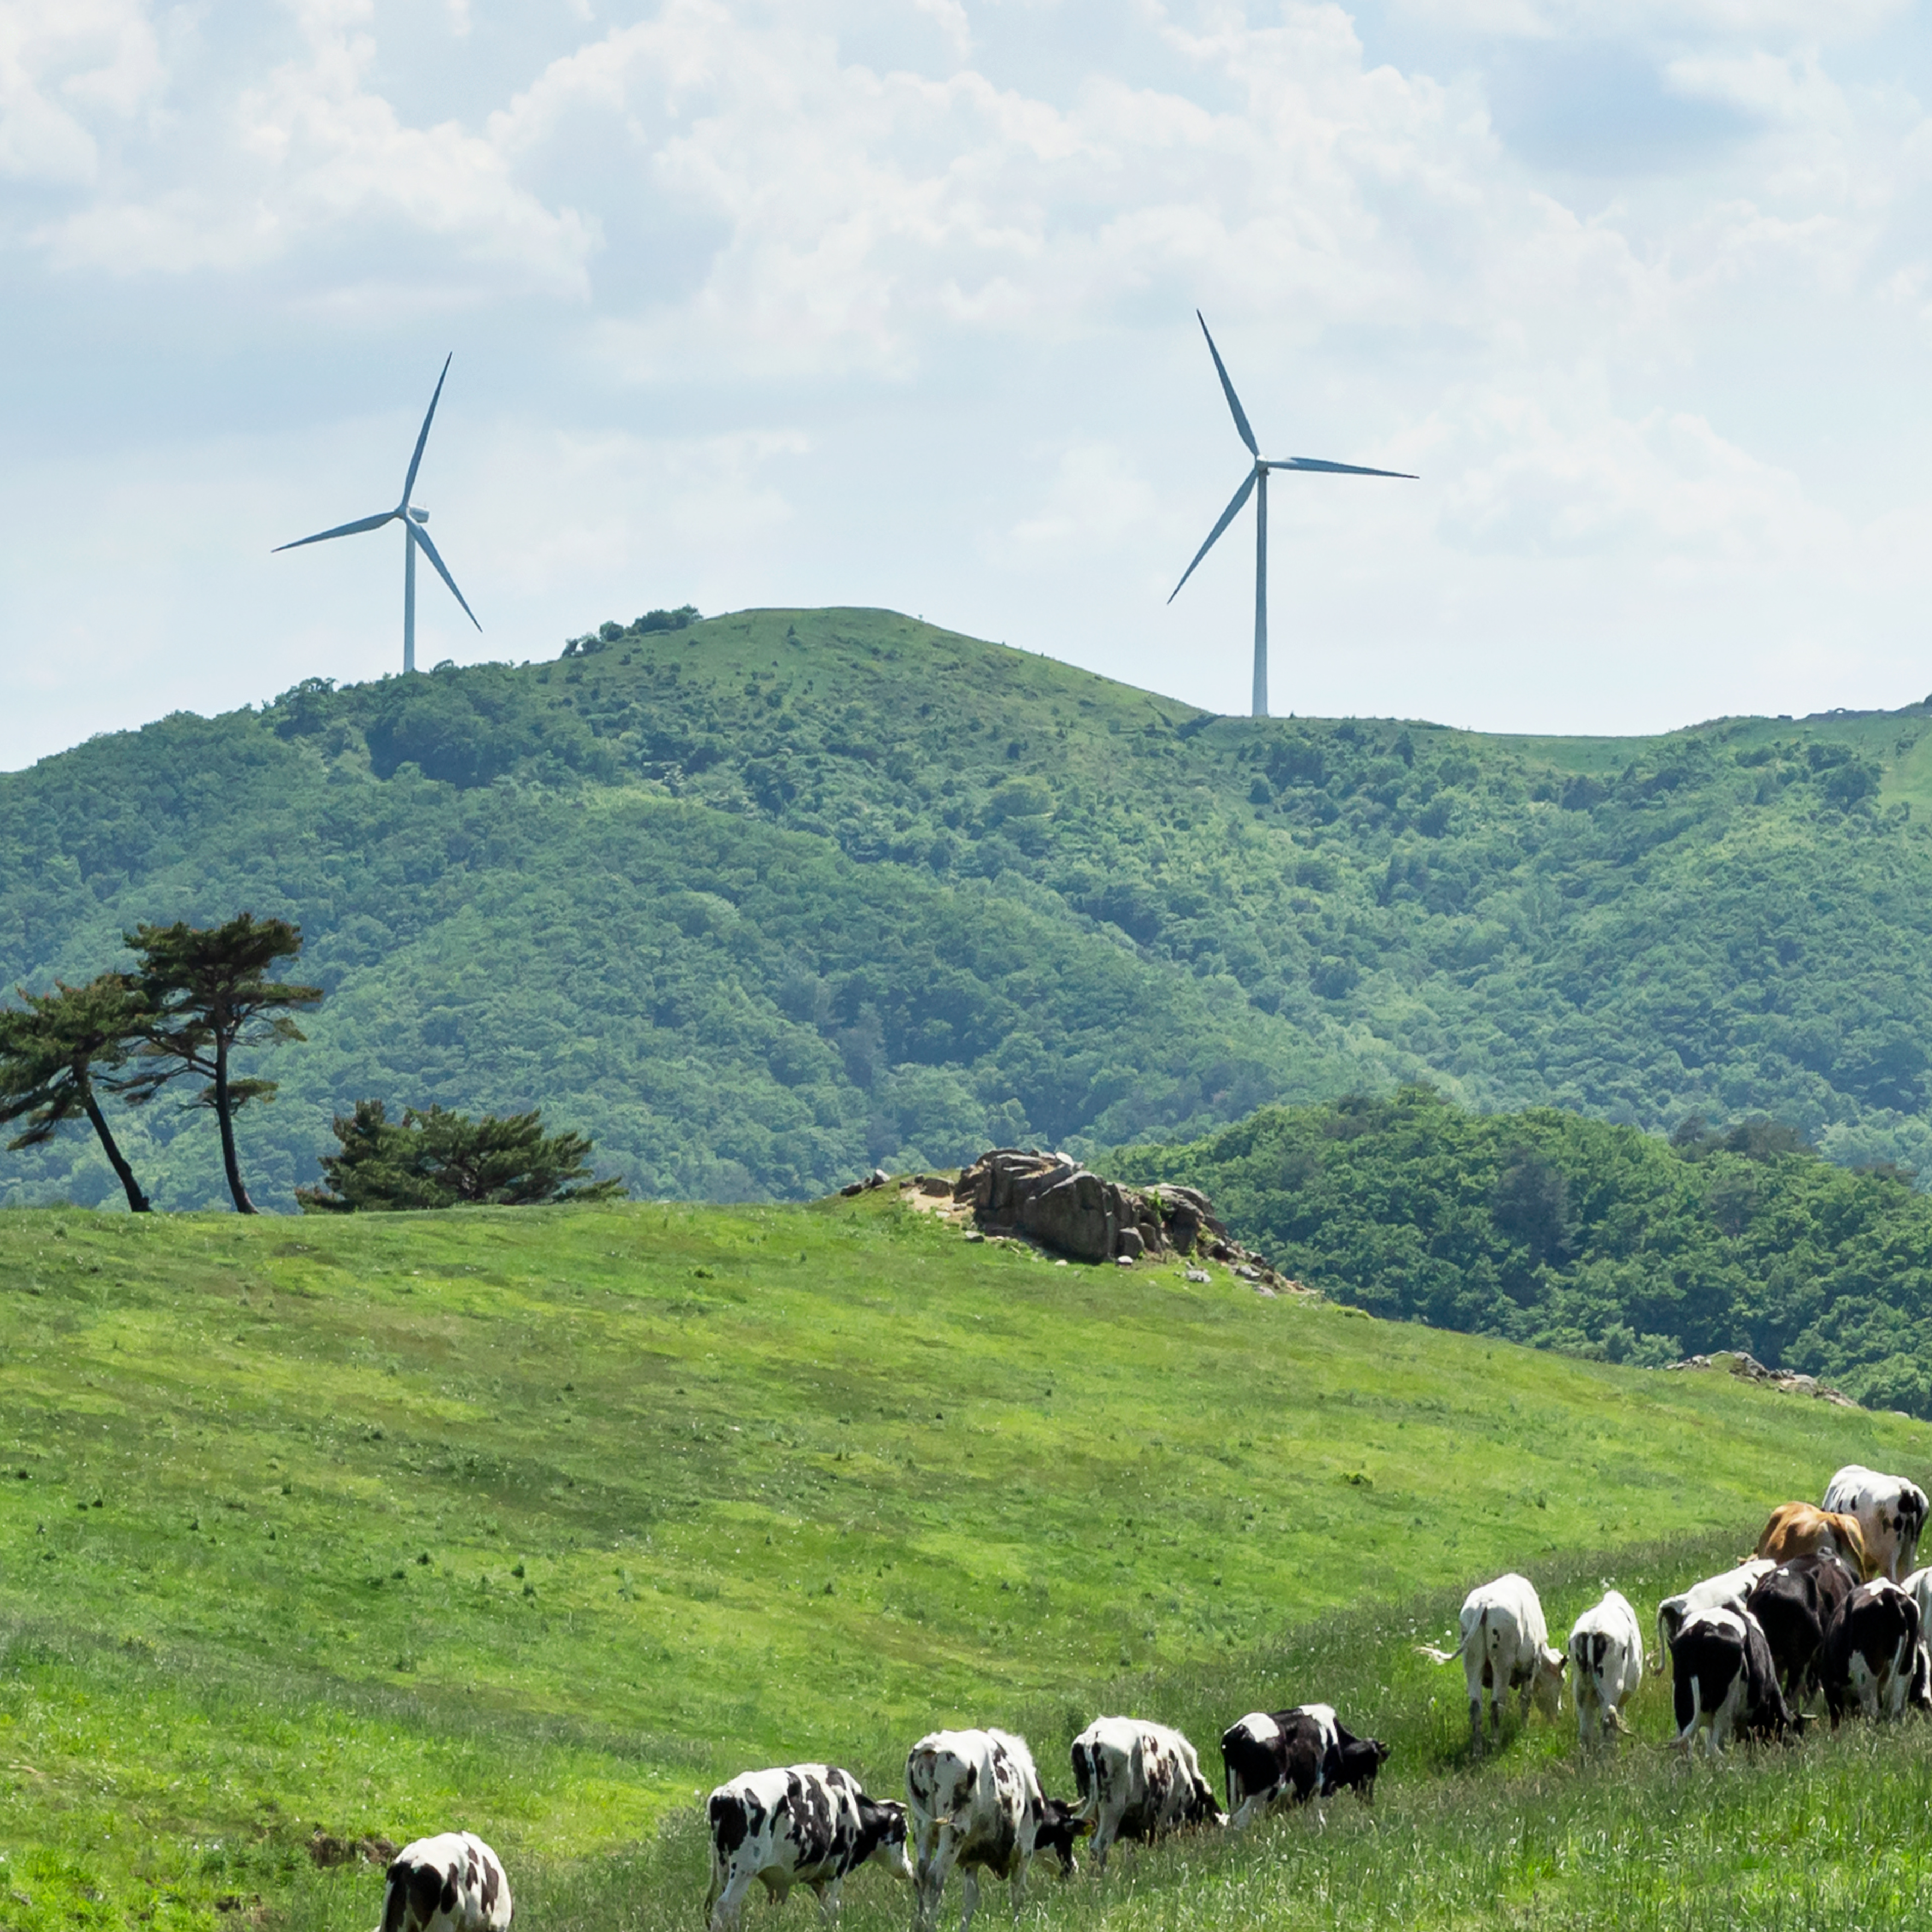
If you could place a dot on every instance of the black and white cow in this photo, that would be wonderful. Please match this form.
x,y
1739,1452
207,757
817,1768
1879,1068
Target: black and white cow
x,y
1505,1645
1139,1780
1725,1591
1606,1666
1891,1512
1795,1605
1727,1684
800,1824
1874,1654
973,1800
452,1883
1300,1754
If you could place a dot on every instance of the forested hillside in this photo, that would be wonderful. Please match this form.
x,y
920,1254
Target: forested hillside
x,y
763,901
1571,1233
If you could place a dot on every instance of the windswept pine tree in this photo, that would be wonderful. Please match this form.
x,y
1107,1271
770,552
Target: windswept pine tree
x,y
57,1049
440,1159
206,993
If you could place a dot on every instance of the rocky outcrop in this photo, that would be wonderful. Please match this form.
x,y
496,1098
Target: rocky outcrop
x,y
1749,1368
1053,1201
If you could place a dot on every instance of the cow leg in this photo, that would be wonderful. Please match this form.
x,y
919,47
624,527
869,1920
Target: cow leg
x,y
935,1860
728,1898
1017,1885
969,1886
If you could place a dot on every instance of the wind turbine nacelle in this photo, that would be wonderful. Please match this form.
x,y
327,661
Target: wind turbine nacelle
x,y
420,516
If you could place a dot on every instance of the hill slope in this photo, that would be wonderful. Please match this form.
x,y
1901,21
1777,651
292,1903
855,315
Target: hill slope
x,y
544,1518
761,902
1575,1234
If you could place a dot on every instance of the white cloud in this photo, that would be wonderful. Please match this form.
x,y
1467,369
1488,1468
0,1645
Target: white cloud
x,y
58,58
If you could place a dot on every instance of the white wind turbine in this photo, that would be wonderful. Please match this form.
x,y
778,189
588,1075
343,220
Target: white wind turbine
x,y
1257,479
415,536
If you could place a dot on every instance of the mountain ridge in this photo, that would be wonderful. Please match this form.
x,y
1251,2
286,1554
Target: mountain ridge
x,y
763,901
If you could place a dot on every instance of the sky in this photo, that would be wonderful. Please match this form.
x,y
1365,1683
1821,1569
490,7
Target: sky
x,y
893,304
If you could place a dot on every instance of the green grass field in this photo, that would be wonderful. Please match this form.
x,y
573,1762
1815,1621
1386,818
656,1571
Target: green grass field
x,y
543,1521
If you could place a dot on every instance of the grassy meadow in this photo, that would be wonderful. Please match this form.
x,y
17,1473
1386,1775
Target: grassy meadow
x,y
542,1521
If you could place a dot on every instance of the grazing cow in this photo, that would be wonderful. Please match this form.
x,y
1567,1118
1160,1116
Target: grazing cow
x,y
1606,1666
1794,1605
1726,1591
452,1883
1139,1780
1796,1529
1303,1753
1891,1511
803,1823
973,1800
1727,1684
1505,1644
1874,1654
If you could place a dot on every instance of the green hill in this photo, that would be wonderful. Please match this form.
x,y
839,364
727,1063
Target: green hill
x,y
544,1520
765,901
1572,1233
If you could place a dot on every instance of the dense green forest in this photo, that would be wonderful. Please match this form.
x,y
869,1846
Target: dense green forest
x,y
761,901
1545,1228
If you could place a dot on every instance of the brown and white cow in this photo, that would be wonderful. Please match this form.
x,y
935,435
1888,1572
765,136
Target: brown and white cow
x,y
1505,1646
1797,1529
1139,1780
973,1800
452,1883
801,1824
1891,1512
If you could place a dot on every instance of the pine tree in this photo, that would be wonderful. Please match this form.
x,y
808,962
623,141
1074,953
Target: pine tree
x,y
207,994
438,1158
57,1049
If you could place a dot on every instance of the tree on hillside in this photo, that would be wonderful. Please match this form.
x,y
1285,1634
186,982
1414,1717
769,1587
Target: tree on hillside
x,y
57,1049
207,994
438,1158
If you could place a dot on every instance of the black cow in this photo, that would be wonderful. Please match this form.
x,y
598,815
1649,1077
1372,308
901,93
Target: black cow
x,y
1794,1606
1727,1684
1307,1751
1059,1825
1874,1654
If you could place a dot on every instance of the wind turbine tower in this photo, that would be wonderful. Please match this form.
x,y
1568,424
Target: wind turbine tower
x,y
1255,484
415,536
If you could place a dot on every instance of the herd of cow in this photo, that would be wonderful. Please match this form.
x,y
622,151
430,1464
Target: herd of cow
x,y
1819,1609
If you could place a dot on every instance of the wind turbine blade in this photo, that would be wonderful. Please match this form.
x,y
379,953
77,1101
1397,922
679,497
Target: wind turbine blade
x,y
1228,516
409,481
1338,469
419,535
354,529
1247,435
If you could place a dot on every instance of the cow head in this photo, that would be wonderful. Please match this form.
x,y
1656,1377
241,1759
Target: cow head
x,y
1058,1826
1362,1758
1548,1691
883,1820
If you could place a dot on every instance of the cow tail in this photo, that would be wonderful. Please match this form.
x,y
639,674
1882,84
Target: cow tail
x,y
395,1900
1086,1783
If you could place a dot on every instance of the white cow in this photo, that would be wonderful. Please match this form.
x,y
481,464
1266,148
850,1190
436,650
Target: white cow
x,y
452,1883
1606,1666
1919,1587
1725,1591
802,1824
1891,1511
1139,1780
973,1800
1505,1644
